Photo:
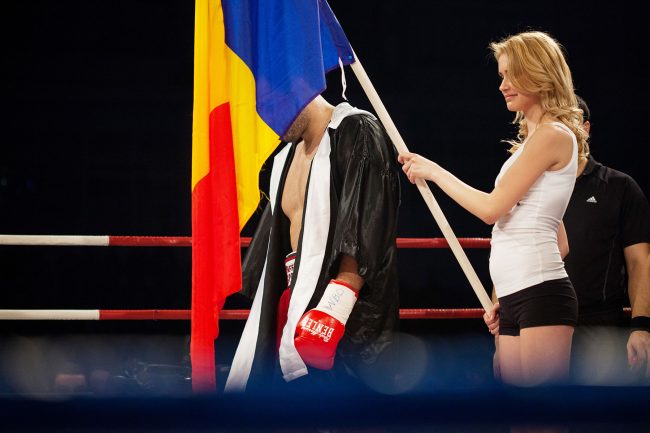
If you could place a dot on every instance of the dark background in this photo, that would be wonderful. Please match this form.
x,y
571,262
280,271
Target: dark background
x,y
96,134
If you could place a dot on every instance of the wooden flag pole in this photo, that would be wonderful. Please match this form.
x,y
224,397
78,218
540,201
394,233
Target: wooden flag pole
x,y
427,195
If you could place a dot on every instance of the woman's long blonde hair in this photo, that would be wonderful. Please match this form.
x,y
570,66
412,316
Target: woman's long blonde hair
x,y
536,65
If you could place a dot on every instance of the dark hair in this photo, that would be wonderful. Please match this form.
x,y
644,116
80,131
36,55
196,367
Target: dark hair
x,y
585,109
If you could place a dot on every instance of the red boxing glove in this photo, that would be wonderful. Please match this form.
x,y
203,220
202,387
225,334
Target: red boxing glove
x,y
320,330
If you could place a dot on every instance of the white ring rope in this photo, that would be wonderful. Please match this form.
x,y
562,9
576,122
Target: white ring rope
x,y
55,240
49,314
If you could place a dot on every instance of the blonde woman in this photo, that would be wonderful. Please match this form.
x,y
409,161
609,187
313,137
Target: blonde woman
x,y
537,309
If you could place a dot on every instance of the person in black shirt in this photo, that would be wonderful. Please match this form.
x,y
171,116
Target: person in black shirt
x,y
608,227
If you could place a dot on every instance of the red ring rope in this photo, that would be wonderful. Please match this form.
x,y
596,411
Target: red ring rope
x,y
405,314
415,313
186,241
154,241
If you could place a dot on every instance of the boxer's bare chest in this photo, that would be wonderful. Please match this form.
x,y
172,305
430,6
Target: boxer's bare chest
x,y
295,189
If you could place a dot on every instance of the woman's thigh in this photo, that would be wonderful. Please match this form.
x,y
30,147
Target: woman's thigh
x,y
545,354
509,354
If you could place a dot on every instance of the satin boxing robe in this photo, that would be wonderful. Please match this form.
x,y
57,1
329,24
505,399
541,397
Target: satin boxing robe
x,y
351,208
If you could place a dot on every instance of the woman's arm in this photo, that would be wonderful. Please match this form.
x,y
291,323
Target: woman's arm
x,y
548,147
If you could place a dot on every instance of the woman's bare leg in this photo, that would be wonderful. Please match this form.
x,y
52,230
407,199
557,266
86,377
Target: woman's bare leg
x,y
545,354
509,355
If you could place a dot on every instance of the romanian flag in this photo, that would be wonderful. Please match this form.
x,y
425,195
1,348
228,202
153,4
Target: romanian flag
x,y
257,64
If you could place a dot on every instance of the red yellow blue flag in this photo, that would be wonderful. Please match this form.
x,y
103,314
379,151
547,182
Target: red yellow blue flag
x,y
257,64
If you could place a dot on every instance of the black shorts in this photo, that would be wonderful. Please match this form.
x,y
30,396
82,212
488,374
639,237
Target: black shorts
x,y
548,303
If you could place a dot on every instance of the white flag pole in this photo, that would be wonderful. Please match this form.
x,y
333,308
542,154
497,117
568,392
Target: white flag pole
x,y
431,202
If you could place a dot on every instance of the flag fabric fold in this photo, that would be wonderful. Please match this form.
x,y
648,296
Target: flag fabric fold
x,y
257,64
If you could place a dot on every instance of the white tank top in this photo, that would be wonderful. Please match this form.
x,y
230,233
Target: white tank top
x,y
524,241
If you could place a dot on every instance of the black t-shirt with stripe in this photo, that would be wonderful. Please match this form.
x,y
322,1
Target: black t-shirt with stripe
x,y
607,212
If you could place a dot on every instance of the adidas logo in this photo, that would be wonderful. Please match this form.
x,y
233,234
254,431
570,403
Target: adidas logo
x,y
592,199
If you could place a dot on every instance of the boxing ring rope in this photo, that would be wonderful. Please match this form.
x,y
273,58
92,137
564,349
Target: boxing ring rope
x,y
186,241
413,313
404,314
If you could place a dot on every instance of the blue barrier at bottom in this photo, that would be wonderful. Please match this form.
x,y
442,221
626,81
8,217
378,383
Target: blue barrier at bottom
x,y
490,409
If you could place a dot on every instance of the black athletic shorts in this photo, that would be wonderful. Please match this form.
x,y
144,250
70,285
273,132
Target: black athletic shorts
x,y
548,303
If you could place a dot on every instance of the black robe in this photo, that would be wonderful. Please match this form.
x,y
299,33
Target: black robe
x,y
363,203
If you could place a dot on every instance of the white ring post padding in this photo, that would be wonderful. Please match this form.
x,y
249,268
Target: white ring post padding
x,y
427,195
97,241
49,314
